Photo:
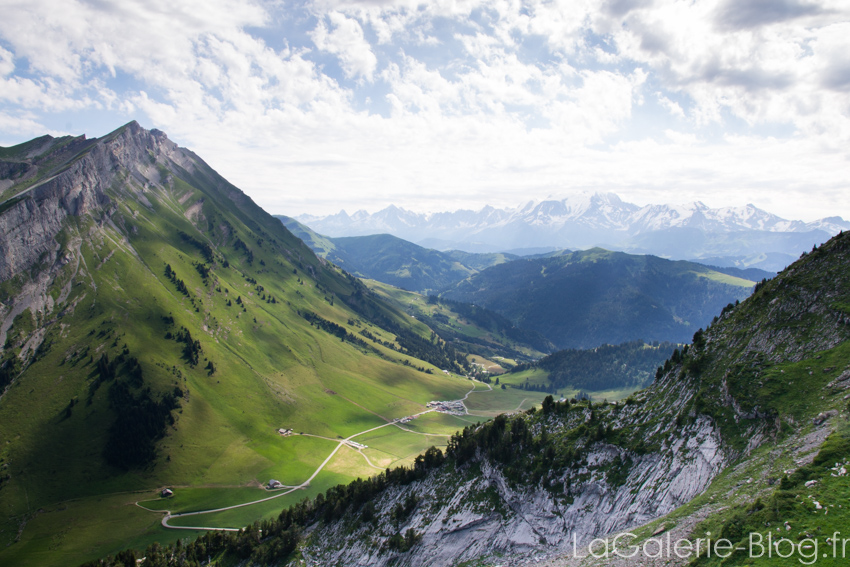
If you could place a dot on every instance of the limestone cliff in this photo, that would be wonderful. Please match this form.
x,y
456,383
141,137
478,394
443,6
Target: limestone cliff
x,y
713,406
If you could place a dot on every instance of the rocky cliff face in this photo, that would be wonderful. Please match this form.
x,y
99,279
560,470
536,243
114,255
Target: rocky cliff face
x,y
31,220
710,407
57,199
476,513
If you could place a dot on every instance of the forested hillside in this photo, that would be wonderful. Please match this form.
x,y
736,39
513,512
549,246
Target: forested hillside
x,y
607,367
585,299
743,430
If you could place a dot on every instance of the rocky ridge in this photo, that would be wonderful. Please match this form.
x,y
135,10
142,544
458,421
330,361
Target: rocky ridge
x,y
707,411
32,219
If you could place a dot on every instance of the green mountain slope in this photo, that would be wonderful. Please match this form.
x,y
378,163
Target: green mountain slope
x,y
745,431
584,299
158,328
470,328
391,260
628,366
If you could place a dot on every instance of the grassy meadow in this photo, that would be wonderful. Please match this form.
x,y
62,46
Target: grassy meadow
x,y
177,259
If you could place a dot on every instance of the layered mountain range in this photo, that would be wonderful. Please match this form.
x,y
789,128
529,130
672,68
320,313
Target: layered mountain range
x,y
158,328
742,437
171,356
573,299
732,236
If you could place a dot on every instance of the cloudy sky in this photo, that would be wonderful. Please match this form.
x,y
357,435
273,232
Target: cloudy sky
x,y
314,106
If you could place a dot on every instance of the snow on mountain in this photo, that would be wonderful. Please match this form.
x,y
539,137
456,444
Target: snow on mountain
x,y
832,225
582,220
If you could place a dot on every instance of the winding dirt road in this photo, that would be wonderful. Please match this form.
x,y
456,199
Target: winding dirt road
x,y
289,489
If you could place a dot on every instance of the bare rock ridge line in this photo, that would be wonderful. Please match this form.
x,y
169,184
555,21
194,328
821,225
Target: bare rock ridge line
x,y
678,446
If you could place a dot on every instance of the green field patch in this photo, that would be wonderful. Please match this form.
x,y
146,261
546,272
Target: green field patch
x,y
299,457
534,376
71,532
610,395
192,499
724,278
241,517
490,365
437,423
350,462
379,458
490,404
400,444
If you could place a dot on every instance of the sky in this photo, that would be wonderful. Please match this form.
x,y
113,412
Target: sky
x,y
322,105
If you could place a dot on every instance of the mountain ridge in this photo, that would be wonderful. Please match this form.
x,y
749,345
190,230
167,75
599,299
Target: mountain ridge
x,y
599,219
160,329
737,429
395,261
592,297
498,282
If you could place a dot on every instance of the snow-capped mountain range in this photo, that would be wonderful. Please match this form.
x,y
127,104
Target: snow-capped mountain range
x,y
730,235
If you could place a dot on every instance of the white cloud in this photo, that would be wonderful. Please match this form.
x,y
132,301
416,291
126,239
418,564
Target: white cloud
x,y
345,40
25,125
7,62
761,69
672,106
456,101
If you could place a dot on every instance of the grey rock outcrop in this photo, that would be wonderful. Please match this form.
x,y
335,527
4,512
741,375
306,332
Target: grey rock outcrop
x,y
32,252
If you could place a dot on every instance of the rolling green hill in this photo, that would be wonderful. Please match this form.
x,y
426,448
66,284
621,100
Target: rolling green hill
x,y
584,299
391,260
158,329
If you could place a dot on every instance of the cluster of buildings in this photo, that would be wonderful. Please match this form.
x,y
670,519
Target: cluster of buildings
x,y
356,445
284,432
407,419
452,408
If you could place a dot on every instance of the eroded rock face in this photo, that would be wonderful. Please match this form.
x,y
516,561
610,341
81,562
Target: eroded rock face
x,y
465,515
31,220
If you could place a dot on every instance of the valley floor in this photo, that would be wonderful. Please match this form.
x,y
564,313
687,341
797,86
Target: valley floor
x,y
70,532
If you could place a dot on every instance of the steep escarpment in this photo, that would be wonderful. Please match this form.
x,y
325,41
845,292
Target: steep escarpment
x,y
61,202
543,481
752,399
33,217
158,328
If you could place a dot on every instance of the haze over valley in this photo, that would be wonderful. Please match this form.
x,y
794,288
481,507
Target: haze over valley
x,y
726,237
398,283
